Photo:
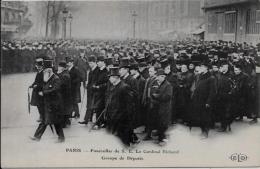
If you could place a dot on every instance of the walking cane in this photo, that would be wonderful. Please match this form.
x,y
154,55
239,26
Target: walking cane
x,y
29,100
91,128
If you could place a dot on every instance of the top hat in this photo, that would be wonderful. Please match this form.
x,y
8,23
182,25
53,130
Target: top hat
x,y
48,63
101,58
63,64
114,71
124,63
160,72
134,66
109,61
92,58
69,59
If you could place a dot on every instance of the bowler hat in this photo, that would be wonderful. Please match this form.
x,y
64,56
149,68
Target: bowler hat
x,y
134,66
69,59
109,61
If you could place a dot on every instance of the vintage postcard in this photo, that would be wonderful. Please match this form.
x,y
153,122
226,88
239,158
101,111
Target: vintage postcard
x,y
136,83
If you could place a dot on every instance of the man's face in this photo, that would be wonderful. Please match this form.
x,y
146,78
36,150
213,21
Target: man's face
x,y
69,64
167,69
113,79
224,68
133,72
92,64
184,68
237,71
100,64
197,70
60,69
141,69
191,66
82,54
123,71
152,71
203,69
161,78
214,68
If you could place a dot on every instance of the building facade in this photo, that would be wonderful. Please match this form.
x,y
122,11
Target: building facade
x,y
233,20
13,19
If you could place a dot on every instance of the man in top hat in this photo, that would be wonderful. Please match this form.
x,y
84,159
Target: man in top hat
x,y
75,86
52,103
162,98
37,100
80,63
140,84
171,77
99,89
92,78
143,69
65,90
202,100
119,108
241,91
222,106
129,80
182,95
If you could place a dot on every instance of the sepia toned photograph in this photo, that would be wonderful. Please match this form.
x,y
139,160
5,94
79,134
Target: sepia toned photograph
x,y
130,83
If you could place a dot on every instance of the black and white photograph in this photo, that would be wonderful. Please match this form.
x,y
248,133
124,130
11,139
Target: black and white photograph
x,y
130,83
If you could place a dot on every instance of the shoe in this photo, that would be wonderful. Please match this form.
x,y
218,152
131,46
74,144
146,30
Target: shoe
x,y
39,120
147,138
35,138
83,122
95,127
222,130
239,119
60,140
253,121
205,135
162,143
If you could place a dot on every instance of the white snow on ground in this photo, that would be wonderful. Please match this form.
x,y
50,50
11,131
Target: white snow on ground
x,y
189,150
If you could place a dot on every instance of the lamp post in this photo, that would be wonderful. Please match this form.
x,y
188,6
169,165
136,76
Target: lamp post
x,y
65,15
70,19
134,15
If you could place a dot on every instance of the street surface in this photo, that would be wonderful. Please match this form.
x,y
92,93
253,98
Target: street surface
x,y
185,148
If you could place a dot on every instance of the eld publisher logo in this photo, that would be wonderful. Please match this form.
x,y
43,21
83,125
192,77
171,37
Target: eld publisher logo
x,y
238,157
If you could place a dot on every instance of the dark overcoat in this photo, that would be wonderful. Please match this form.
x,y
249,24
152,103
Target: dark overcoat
x,y
204,93
163,97
52,100
92,78
37,85
75,84
65,90
100,89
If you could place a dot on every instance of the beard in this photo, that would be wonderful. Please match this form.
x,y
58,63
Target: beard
x,y
46,75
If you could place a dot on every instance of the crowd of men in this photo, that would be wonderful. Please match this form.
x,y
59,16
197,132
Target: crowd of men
x,y
145,83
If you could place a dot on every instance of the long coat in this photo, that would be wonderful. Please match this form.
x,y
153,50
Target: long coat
x,y
75,84
118,108
140,112
100,89
183,93
92,78
36,99
204,93
65,90
240,94
52,100
163,98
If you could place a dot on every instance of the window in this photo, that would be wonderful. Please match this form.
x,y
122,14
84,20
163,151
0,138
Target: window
x,y
212,23
230,22
258,16
253,22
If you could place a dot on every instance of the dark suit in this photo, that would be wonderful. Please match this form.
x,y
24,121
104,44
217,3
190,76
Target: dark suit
x,y
92,78
118,112
36,99
75,88
52,107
